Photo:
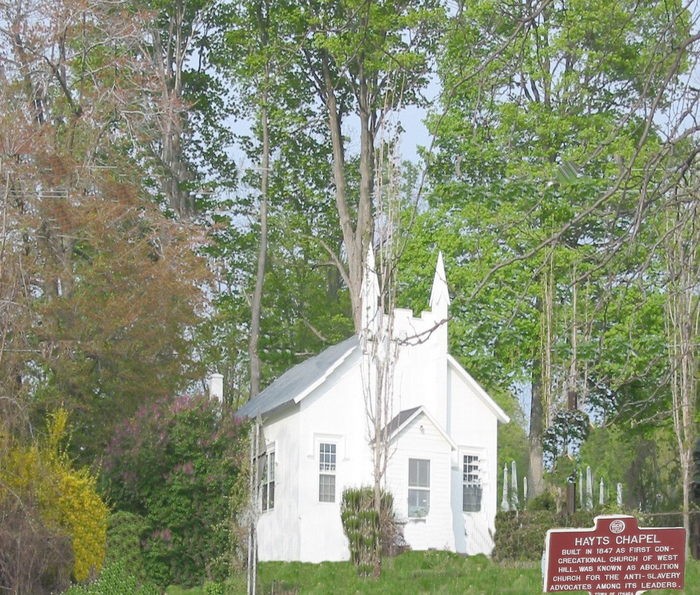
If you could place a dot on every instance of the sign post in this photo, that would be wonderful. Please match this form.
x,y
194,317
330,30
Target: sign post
x,y
616,557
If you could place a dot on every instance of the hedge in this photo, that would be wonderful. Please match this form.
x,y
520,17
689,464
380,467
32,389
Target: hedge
x,y
520,534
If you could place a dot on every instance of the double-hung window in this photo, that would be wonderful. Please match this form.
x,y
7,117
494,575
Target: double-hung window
x,y
326,471
267,480
418,487
471,484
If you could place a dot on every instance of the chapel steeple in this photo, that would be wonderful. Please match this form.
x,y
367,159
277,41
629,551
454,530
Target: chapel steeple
x,y
440,295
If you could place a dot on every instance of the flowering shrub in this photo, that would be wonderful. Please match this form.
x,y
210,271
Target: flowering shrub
x,y
174,464
66,498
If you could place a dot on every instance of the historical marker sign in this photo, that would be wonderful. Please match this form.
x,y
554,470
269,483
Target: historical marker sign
x,y
616,557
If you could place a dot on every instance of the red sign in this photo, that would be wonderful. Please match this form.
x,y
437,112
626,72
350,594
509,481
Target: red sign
x,y
614,558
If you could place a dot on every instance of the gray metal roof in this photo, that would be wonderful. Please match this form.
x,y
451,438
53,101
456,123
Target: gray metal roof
x,y
399,420
296,380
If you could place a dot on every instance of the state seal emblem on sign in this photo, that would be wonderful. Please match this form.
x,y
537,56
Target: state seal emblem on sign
x,y
617,526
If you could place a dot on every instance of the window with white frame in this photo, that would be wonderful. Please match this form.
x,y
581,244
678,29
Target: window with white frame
x,y
418,487
326,471
267,480
471,484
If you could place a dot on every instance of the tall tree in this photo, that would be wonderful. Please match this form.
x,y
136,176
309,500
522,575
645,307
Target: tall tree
x,y
254,22
280,190
106,288
682,309
185,145
548,119
363,61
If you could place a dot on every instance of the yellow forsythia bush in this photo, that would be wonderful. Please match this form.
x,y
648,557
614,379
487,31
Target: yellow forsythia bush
x,y
68,499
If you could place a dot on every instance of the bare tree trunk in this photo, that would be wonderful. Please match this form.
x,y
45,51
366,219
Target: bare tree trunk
x,y
355,256
541,384
380,348
535,479
379,360
256,302
357,233
682,326
364,227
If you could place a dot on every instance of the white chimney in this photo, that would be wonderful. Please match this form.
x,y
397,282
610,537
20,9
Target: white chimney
x,y
216,387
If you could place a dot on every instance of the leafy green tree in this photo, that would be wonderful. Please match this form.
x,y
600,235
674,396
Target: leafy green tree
x,y
682,309
337,66
644,463
544,145
183,144
281,219
364,61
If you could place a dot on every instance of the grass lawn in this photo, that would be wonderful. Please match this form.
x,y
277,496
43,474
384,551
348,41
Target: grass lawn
x,y
409,573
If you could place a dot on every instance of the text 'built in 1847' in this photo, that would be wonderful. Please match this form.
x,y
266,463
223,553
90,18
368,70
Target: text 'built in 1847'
x,y
616,557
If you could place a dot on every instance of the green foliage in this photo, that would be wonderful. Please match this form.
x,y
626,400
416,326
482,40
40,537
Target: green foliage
x,y
174,465
544,501
520,535
417,572
534,190
567,431
512,439
125,532
115,579
645,462
290,61
369,532
212,588
235,585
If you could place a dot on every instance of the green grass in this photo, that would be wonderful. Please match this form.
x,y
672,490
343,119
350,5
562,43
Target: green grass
x,y
409,573
412,572
419,572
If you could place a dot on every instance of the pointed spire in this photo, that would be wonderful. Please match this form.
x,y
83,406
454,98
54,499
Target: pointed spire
x,y
440,296
370,292
514,480
505,501
589,489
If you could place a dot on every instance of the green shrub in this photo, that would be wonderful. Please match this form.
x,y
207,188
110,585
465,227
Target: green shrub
x,y
114,579
212,588
125,531
520,535
544,501
174,465
369,534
